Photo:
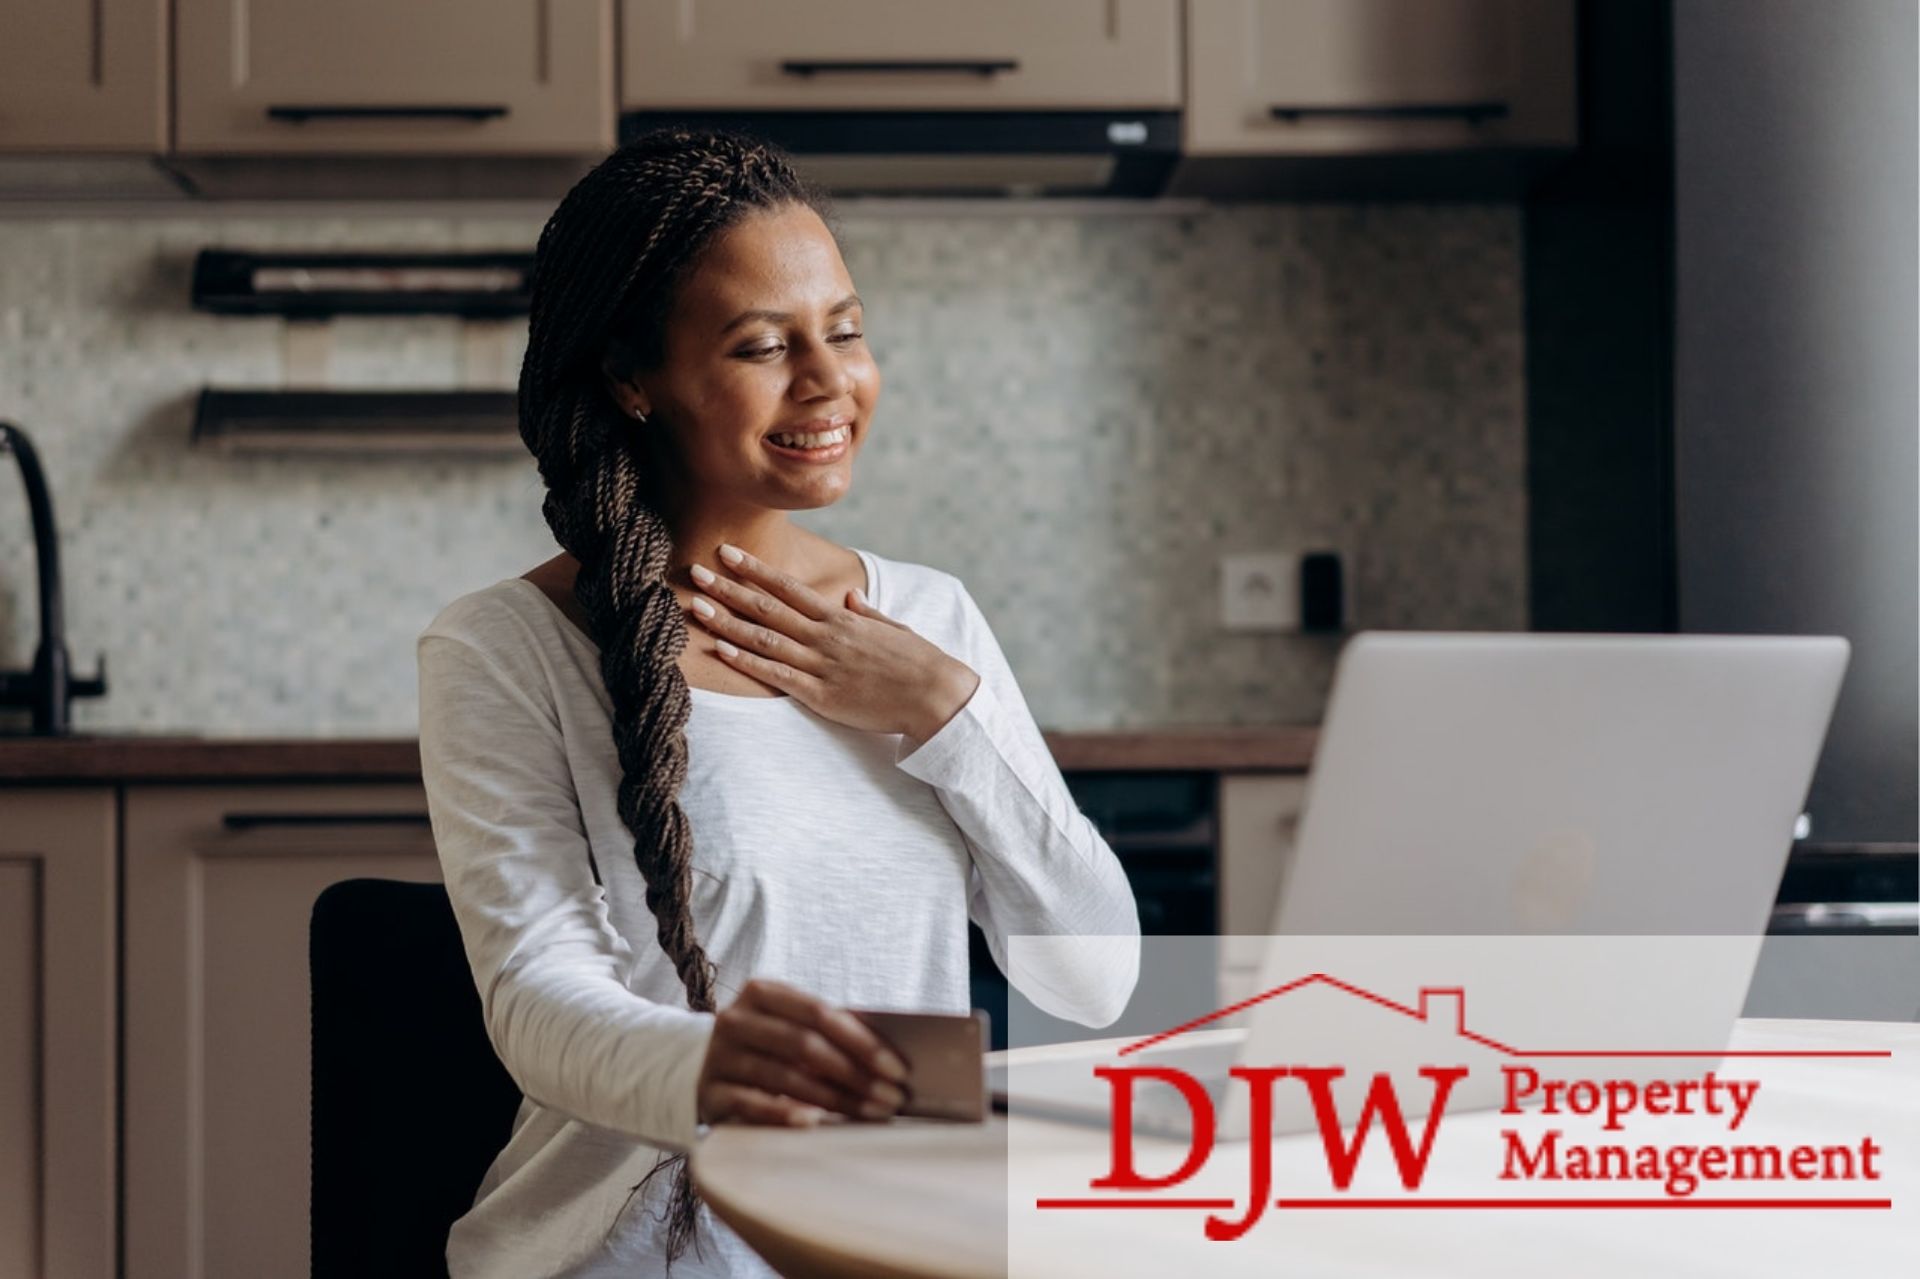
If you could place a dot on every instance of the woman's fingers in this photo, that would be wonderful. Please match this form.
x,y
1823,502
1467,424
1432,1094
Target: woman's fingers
x,y
840,1026
779,1041
749,602
743,1102
787,589
803,687
773,1074
740,1067
800,1045
757,639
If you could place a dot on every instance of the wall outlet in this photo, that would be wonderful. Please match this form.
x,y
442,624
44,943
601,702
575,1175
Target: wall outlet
x,y
1260,591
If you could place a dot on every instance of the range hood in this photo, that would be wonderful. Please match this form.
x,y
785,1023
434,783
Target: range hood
x,y
959,153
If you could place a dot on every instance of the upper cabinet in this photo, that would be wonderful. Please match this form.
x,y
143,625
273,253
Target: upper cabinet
x,y
292,97
1306,77
748,55
372,77
80,78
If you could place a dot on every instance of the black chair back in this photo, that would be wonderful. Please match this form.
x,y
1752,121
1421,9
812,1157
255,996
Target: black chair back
x,y
410,1103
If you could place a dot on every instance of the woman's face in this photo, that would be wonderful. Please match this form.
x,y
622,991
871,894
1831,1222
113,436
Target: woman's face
x,y
764,344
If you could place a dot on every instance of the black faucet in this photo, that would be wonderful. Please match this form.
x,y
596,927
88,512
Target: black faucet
x,y
50,685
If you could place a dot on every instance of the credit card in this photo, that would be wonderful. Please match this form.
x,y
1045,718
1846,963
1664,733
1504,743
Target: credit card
x,y
945,1055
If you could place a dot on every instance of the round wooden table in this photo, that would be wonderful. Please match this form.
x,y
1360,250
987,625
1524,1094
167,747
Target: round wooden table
x,y
910,1197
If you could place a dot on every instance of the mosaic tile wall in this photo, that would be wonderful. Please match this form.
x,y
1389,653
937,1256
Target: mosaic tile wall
x,y
1083,412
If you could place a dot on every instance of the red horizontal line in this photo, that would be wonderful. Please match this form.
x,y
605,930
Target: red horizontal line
x,y
1709,1052
1583,1203
1133,1203
1476,1203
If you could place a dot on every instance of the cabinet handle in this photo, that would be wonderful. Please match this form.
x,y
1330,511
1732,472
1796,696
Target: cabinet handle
x,y
1471,112
311,821
986,68
318,835
302,114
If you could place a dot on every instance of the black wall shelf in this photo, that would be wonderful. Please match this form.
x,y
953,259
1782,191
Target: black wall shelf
x,y
318,285
473,422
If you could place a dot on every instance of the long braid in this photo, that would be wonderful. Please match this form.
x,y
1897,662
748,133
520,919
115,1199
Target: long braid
x,y
606,266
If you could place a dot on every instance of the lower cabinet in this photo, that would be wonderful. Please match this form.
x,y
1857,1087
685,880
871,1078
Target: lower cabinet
x,y
1258,816
57,1074
220,883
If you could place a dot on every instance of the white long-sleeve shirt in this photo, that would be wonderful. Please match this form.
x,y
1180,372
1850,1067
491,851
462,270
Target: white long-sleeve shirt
x,y
841,861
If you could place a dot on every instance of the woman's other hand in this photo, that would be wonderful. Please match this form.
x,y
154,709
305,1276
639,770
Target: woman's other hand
x,y
780,1056
850,663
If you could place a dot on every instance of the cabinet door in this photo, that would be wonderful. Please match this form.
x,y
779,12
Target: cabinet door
x,y
83,77
220,885
57,1041
371,77
1278,77
1258,816
929,54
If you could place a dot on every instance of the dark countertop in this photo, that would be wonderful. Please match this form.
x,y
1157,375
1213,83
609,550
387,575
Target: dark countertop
x,y
114,757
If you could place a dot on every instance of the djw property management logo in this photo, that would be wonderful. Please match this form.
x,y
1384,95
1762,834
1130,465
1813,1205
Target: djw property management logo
x,y
1537,1095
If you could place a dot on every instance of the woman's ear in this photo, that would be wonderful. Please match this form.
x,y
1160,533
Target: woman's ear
x,y
626,395
620,370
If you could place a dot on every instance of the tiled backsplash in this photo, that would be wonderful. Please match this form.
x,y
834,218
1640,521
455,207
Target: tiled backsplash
x,y
1083,411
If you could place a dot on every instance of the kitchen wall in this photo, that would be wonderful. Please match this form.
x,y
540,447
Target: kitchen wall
x,y
1083,411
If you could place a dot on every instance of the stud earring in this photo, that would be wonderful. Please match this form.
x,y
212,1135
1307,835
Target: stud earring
x,y
640,417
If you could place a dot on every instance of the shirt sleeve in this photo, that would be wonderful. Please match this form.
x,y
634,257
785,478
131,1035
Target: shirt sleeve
x,y
551,970
1040,866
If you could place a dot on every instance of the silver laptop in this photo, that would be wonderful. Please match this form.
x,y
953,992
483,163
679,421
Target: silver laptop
x,y
1521,786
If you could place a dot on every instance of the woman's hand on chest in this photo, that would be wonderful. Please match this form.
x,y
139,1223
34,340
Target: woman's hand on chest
x,y
847,662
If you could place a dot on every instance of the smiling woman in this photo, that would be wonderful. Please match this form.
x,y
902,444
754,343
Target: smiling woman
x,y
858,776
754,409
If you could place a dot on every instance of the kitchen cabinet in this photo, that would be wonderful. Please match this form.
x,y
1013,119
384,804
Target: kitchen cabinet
x,y
1259,814
57,1072
368,77
83,78
1351,77
744,55
220,885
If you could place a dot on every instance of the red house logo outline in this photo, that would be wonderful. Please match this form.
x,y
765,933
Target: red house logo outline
x,y
1422,1013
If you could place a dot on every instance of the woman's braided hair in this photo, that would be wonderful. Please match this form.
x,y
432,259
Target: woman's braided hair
x,y
605,272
